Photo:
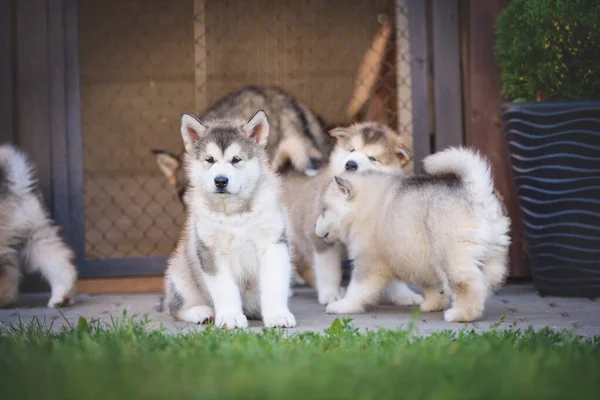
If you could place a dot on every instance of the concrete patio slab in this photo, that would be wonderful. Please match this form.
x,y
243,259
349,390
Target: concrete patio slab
x,y
519,304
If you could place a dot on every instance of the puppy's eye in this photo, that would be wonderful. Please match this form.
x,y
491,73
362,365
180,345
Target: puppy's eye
x,y
373,159
210,160
235,160
350,151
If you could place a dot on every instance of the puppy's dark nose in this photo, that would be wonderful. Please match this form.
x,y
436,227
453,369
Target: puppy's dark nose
x,y
221,182
351,166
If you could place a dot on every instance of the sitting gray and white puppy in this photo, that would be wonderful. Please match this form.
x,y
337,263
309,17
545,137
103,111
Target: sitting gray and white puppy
x,y
29,241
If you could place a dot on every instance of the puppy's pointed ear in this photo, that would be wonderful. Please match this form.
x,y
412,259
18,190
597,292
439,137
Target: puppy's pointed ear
x,y
168,163
402,152
257,128
345,187
192,129
341,135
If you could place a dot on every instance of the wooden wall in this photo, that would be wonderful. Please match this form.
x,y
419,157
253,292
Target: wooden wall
x,y
483,127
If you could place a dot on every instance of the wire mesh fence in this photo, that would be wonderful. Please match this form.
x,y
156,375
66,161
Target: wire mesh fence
x,y
144,62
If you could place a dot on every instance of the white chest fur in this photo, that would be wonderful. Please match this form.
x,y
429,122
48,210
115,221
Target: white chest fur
x,y
238,241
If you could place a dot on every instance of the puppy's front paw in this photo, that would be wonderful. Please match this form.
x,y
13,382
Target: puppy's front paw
x,y
284,319
344,307
329,296
408,298
197,314
63,294
61,301
434,303
231,321
455,314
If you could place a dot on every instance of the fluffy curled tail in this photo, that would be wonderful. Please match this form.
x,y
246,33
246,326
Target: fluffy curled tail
x,y
303,157
473,169
16,171
475,173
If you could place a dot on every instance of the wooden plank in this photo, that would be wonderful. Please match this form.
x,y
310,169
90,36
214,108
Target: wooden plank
x,y
447,74
32,83
74,133
483,127
58,128
6,71
150,284
200,56
419,67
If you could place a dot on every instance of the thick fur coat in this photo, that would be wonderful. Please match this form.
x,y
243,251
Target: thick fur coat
x,y
29,241
445,231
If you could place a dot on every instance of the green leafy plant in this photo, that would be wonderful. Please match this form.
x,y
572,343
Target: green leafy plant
x,y
549,50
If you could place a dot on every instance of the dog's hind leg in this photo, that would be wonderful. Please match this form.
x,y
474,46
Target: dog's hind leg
x,y
467,285
184,298
9,279
48,254
495,270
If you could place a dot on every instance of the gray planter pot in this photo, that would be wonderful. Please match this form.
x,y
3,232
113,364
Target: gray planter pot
x,y
554,152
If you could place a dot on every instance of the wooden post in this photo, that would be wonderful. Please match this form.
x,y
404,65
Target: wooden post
x,y
483,127
200,56
419,67
447,85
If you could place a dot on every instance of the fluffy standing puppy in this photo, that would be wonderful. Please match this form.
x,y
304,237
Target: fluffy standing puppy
x,y
446,231
360,147
28,239
233,258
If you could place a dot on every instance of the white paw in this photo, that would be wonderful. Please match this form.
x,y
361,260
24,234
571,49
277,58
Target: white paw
x,y
457,315
297,280
197,314
60,302
407,299
434,303
344,307
311,172
231,321
327,297
284,319
64,298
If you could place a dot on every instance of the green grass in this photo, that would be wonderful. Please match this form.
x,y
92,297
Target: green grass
x,y
124,360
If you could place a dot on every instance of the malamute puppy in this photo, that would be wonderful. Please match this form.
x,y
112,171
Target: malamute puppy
x,y
445,231
28,239
233,257
361,147
297,137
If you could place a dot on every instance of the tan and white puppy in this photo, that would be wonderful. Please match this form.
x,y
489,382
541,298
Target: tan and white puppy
x,y
232,260
445,230
366,146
